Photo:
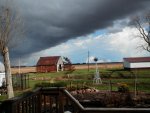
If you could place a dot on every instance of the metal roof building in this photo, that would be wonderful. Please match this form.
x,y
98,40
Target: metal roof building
x,y
50,64
136,62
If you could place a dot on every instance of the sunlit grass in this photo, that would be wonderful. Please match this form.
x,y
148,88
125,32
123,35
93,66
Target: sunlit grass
x,y
114,75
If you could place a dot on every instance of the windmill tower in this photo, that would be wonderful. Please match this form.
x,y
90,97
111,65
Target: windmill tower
x,y
97,78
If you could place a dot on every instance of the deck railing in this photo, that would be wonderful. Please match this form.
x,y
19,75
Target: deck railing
x,y
55,100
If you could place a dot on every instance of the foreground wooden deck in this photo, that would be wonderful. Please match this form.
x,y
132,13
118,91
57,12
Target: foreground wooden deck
x,y
56,100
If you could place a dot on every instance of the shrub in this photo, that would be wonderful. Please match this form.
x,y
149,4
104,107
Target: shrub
x,y
47,84
123,87
121,74
115,75
105,75
76,86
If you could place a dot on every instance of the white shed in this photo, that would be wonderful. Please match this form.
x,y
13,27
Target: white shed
x,y
136,62
2,78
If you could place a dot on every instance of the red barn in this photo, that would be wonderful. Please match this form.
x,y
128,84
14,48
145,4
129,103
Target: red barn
x,y
50,64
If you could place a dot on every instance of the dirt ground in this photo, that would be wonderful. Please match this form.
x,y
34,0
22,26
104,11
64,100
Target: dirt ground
x,y
95,98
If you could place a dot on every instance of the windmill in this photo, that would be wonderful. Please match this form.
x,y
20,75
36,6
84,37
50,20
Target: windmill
x,y
96,79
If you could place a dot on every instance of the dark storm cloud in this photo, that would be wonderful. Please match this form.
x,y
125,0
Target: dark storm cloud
x,y
51,22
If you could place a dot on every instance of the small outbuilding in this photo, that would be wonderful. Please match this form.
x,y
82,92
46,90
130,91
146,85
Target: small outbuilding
x,y
136,63
50,64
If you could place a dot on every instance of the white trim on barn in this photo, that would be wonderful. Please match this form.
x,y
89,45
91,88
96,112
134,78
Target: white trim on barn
x,y
60,64
136,62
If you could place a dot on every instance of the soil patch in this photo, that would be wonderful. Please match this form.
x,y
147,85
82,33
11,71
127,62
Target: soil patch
x,y
95,98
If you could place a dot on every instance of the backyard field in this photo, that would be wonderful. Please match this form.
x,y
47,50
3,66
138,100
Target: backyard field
x,y
111,79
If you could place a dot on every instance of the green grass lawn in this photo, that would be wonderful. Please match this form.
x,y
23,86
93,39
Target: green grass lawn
x,y
85,76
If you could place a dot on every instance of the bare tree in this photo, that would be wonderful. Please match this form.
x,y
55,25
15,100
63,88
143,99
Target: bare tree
x,y
143,26
9,28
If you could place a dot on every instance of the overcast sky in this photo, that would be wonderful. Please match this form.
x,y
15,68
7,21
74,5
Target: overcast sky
x,y
71,28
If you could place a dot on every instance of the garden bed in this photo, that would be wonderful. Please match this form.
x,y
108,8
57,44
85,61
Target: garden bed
x,y
116,99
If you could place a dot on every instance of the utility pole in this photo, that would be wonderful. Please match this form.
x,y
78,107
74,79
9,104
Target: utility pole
x,y
19,66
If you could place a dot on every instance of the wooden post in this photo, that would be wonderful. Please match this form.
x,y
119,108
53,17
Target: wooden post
x,y
70,85
23,107
56,101
30,105
25,81
110,85
28,81
61,104
82,87
39,102
44,102
26,106
50,103
21,82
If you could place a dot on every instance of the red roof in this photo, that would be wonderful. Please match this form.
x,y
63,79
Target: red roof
x,y
137,59
51,60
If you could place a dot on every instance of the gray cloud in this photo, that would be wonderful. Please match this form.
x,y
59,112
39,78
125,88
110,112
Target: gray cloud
x,y
51,22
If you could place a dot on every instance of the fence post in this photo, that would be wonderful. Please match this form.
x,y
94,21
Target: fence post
x,y
110,85
61,102
25,83
21,81
28,80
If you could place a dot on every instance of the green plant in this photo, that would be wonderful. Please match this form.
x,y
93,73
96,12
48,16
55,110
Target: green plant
x,y
47,84
123,87
105,74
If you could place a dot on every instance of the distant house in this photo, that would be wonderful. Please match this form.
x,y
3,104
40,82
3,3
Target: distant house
x,y
136,62
50,64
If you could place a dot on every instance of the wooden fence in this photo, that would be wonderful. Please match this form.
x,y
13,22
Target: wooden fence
x,y
20,81
55,100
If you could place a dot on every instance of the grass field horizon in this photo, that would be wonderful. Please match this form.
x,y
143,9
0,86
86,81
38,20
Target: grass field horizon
x,y
84,76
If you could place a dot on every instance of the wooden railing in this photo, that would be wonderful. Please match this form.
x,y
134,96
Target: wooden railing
x,y
55,100
28,103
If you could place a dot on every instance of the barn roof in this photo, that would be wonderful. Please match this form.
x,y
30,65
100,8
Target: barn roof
x,y
137,59
51,60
